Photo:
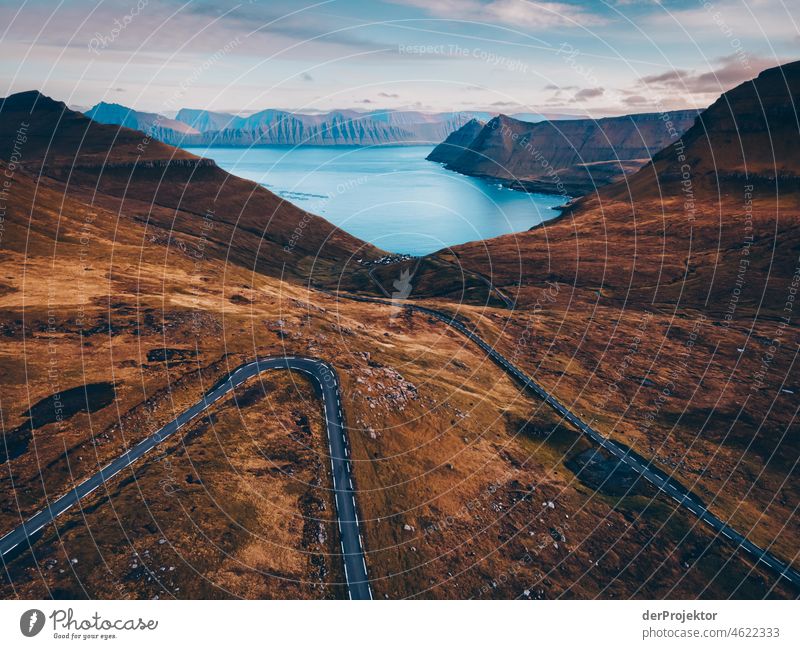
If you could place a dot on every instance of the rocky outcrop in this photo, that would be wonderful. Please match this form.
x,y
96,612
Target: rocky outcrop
x,y
568,156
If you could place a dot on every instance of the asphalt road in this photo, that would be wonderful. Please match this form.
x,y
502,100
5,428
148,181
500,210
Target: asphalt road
x,y
636,462
325,378
351,539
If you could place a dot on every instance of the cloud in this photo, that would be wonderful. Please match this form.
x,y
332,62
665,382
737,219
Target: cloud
x,y
306,77
589,93
636,100
731,71
764,20
364,101
518,13
389,95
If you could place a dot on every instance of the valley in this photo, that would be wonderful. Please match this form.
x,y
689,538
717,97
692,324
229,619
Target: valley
x,y
154,270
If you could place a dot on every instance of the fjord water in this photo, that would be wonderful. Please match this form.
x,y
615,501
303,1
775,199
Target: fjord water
x,y
389,196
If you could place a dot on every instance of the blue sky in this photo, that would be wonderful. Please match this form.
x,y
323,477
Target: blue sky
x,y
596,58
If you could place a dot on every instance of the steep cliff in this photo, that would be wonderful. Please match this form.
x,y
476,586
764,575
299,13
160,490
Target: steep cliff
x,y
456,143
206,120
157,126
568,156
196,127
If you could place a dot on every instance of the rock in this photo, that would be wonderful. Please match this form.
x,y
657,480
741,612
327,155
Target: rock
x,y
408,528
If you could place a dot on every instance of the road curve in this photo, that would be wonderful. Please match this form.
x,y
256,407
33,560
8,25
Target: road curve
x,y
324,376
661,480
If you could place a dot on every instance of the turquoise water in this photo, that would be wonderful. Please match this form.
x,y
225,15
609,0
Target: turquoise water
x,y
390,196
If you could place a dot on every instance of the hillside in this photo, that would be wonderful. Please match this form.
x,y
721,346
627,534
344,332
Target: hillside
x,y
663,306
749,135
571,157
148,181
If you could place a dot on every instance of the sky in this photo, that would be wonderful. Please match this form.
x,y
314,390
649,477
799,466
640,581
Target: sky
x,y
501,56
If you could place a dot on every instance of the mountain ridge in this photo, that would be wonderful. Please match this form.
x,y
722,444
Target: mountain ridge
x,y
198,127
456,142
134,173
570,157
749,134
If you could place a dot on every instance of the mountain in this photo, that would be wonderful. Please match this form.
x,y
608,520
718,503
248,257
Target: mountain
x,y
160,127
142,177
663,306
424,127
749,135
206,120
570,156
135,276
275,127
456,143
677,228
196,127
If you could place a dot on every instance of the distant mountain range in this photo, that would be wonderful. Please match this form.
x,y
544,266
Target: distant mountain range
x,y
193,127
85,161
573,156
196,127
157,126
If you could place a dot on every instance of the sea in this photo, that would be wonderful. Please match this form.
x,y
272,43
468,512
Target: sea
x,y
389,196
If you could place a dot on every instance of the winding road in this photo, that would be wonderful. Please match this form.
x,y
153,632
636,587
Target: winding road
x,y
645,468
324,376
349,526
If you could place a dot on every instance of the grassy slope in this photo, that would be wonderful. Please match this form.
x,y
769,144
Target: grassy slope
x,y
714,265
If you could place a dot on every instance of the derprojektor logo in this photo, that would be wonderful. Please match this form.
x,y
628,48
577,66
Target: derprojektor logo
x,y
31,622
